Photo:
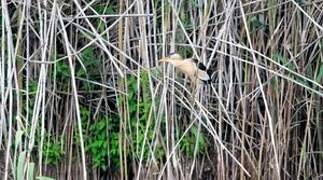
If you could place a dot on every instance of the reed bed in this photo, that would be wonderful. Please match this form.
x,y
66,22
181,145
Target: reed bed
x,y
84,97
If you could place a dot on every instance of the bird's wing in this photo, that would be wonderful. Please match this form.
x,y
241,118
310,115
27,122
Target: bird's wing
x,y
203,75
201,66
202,71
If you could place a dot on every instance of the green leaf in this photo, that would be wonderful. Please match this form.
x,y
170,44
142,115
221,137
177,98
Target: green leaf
x,y
20,166
30,173
18,138
320,75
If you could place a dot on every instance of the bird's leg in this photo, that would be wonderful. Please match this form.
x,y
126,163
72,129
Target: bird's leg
x,y
192,84
194,88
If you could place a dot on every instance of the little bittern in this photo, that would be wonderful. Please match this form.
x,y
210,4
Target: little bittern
x,y
194,69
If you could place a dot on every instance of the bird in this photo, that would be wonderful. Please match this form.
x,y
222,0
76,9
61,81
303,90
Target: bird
x,y
195,70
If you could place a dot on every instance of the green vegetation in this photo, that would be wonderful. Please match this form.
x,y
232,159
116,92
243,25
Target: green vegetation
x,y
192,141
52,151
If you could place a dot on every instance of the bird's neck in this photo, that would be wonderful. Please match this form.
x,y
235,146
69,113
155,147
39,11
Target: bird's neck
x,y
177,62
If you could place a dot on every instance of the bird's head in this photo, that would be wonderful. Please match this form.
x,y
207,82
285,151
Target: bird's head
x,y
171,57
